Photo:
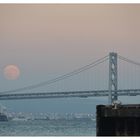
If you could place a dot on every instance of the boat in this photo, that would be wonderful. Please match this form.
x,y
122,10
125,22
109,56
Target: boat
x,y
20,118
3,117
42,118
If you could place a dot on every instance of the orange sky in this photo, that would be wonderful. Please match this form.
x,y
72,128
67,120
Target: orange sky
x,y
63,37
104,25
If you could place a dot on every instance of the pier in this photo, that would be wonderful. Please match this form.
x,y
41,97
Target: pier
x,y
120,120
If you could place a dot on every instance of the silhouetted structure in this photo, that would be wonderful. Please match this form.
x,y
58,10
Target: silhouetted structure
x,y
118,120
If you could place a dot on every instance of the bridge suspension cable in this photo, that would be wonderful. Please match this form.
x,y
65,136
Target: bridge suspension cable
x,y
129,74
59,78
128,60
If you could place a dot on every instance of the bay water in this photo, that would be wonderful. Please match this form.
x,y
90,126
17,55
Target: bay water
x,y
60,127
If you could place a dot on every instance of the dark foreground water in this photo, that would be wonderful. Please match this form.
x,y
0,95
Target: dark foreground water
x,y
48,128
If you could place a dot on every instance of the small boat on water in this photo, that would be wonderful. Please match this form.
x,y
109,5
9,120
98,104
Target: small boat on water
x,y
19,119
3,117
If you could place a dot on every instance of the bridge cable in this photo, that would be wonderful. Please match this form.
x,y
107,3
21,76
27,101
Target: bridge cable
x,y
129,61
132,62
59,78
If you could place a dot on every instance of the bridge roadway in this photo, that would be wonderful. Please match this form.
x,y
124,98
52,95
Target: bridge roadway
x,y
82,94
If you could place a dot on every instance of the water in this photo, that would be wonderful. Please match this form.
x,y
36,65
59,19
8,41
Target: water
x,y
48,128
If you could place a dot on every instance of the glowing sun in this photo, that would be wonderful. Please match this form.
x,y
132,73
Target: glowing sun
x,y
11,72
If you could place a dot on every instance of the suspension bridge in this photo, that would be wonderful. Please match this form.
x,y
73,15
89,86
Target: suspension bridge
x,y
112,89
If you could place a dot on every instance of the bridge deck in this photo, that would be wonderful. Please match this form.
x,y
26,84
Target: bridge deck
x,y
82,94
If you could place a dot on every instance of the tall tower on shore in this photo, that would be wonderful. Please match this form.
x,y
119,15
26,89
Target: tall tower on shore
x,y
113,76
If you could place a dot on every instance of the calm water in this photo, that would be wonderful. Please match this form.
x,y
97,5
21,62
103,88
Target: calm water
x,y
48,128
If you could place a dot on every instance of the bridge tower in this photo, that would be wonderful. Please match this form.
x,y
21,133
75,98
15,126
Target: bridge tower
x,y
113,83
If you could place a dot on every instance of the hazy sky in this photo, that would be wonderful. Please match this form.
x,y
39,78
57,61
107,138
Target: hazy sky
x,y
49,40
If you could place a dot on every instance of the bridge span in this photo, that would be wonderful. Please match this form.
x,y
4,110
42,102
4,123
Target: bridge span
x,y
113,89
81,94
